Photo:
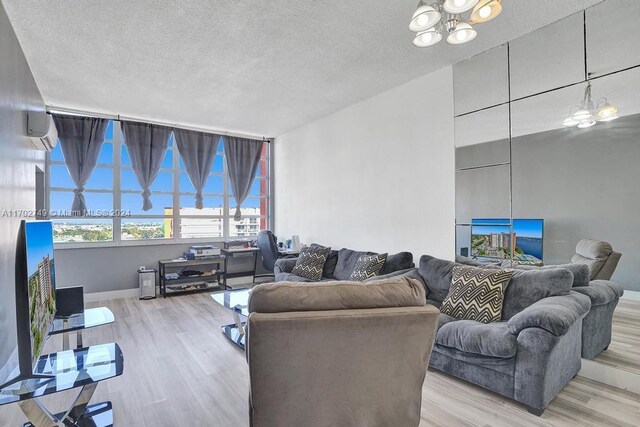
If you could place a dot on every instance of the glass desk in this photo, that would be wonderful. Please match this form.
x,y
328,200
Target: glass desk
x,y
238,302
80,368
90,318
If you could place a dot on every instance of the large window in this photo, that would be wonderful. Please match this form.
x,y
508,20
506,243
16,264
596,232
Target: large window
x,y
114,200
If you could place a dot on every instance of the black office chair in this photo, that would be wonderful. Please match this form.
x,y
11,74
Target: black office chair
x,y
267,243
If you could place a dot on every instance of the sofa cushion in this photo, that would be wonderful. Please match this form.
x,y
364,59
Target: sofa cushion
x,y
469,336
476,294
601,292
529,286
330,264
581,272
396,262
333,295
311,262
367,267
443,319
593,249
347,259
436,275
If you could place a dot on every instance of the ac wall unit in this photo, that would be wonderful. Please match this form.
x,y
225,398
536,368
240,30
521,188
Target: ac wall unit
x,y
42,130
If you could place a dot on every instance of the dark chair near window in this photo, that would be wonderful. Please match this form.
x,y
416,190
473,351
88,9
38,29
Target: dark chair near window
x,y
268,245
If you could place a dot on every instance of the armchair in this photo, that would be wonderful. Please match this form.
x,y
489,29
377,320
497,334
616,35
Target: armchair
x,y
599,256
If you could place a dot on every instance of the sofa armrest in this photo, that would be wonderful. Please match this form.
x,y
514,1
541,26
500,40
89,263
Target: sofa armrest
x,y
284,265
601,292
388,275
553,314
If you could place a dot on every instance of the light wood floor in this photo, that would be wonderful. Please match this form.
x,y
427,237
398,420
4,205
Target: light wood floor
x,y
624,351
180,370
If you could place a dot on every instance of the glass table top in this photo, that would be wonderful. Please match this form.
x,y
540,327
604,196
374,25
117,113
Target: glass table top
x,y
69,369
90,318
236,300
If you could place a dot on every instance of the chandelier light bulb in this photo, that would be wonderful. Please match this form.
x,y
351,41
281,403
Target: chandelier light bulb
x,y
587,123
425,17
607,112
485,11
581,115
427,38
459,6
570,121
463,33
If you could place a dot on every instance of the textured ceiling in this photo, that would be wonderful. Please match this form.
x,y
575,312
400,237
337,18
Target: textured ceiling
x,y
257,67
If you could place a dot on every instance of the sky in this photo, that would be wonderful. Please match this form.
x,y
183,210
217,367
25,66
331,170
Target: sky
x,y
532,228
102,179
39,243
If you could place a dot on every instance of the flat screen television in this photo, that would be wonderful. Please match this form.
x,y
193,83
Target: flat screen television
x,y
35,294
494,238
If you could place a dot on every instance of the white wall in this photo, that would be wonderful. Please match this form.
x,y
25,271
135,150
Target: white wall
x,y
378,175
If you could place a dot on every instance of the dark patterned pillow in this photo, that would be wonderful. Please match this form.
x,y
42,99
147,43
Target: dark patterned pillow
x,y
476,294
367,266
311,262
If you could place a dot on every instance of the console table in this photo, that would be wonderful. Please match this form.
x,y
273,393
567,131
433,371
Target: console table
x,y
237,301
81,368
205,282
89,318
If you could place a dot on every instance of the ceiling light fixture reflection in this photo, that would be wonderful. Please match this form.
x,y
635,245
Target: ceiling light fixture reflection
x,y
586,115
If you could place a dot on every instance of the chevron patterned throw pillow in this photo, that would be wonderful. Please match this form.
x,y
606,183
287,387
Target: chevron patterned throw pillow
x,y
311,262
367,266
476,294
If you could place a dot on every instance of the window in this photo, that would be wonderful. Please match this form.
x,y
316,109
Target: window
x,y
114,200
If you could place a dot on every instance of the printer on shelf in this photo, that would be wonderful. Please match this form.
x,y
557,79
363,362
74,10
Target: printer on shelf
x,y
204,251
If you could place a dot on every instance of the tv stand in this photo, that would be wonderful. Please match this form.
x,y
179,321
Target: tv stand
x,y
81,368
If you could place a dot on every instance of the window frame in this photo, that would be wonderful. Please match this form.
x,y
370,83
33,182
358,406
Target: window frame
x,y
117,167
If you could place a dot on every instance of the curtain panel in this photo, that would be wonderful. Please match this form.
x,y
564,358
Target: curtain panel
x,y
198,151
81,140
243,158
147,145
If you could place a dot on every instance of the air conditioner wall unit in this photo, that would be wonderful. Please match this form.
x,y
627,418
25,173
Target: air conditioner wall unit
x,y
42,131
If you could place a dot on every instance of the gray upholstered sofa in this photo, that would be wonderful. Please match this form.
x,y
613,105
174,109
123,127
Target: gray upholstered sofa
x,y
531,354
340,265
604,296
338,354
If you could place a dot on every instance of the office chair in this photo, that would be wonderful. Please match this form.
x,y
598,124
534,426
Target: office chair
x,y
267,243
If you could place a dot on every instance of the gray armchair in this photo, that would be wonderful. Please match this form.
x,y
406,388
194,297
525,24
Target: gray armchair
x,y
338,353
599,256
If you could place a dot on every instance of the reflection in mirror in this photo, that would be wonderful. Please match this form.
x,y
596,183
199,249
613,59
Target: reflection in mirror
x,y
585,184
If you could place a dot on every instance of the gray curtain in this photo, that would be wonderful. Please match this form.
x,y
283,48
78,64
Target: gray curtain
x,y
197,150
243,158
81,139
147,145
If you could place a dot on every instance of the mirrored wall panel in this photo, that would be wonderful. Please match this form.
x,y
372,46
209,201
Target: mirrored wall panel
x,y
613,36
548,58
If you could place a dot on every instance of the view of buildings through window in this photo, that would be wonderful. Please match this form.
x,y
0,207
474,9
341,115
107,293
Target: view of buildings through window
x,y
114,200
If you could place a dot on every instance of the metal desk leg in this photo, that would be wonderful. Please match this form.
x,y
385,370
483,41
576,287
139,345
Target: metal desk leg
x,y
65,335
236,317
38,414
255,265
80,404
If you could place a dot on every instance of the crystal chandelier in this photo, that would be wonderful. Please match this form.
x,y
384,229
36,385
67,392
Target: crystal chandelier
x,y
586,114
430,21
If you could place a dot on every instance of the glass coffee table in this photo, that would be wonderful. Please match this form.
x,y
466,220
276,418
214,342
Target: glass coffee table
x,y
237,301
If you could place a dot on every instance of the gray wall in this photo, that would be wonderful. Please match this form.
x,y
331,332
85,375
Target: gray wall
x,y
114,268
18,161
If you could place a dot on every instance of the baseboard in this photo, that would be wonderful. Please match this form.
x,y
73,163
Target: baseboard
x,y
105,296
631,295
609,375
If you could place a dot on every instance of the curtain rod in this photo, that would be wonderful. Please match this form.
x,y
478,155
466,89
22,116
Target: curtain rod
x,y
118,117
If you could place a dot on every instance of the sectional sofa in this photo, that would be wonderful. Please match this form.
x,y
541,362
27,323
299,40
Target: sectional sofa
x,y
340,265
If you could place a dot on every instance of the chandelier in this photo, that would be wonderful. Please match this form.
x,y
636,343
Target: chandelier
x,y
430,21
586,114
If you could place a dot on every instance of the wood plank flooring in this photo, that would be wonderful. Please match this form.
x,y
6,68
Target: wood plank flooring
x,y
624,351
180,370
